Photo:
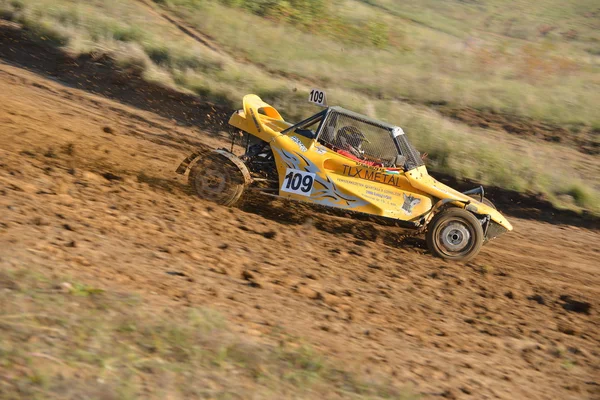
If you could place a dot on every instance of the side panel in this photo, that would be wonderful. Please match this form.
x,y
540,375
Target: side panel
x,y
344,183
420,178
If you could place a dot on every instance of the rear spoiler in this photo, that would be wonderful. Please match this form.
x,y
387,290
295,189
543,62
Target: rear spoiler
x,y
250,119
253,102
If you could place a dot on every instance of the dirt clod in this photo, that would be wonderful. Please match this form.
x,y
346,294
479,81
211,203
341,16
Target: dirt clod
x,y
111,177
68,227
577,306
537,298
176,273
251,278
39,221
566,328
6,282
309,293
270,234
466,390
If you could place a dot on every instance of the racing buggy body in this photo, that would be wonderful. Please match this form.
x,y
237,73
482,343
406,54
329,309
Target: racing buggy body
x,y
342,159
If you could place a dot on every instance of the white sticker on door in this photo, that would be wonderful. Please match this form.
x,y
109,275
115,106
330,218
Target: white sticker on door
x,y
298,182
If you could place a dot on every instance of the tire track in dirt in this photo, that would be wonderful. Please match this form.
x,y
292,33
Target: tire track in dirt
x,y
189,31
210,43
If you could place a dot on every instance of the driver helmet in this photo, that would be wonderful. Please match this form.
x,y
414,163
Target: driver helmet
x,y
351,139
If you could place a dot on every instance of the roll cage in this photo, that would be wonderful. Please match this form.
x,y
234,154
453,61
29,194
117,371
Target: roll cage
x,y
385,142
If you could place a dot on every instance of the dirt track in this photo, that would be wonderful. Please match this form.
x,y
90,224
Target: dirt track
x,y
87,189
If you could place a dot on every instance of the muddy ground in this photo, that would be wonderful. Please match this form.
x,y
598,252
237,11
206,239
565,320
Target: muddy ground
x,y
88,189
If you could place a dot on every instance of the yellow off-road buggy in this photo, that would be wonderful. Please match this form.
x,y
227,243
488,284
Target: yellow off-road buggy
x,y
342,159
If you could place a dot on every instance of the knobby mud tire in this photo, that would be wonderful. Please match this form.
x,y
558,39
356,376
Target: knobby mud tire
x,y
215,178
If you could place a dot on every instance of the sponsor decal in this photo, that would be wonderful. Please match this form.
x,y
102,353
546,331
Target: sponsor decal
x,y
299,143
320,150
375,175
410,202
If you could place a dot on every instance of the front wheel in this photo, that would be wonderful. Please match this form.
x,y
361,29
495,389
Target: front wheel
x,y
455,234
217,179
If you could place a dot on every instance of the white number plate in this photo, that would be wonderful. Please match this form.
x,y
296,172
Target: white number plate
x,y
298,182
318,97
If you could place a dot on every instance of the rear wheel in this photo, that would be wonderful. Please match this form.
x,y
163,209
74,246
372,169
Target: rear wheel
x,y
455,234
217,179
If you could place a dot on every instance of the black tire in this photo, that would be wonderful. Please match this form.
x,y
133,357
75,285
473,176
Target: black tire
x,y
455,234
217,179
485,201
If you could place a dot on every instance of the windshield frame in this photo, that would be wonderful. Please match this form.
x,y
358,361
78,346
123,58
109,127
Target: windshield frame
x,y
307,122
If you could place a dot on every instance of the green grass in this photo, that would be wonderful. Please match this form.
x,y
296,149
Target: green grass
x,y
420,53
69,341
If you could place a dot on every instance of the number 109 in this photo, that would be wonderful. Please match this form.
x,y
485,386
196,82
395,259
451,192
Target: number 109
x,y
296,181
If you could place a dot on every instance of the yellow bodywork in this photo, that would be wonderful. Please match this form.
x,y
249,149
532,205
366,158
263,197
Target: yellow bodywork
x,y
342,182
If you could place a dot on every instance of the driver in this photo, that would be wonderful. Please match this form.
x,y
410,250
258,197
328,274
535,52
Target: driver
x,y
349,143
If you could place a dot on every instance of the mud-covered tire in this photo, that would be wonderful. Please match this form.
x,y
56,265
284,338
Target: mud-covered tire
x,y
215,178
485,201
455,234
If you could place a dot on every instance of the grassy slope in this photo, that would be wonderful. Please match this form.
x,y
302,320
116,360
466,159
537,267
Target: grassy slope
x,y
66,340
462,61
426,56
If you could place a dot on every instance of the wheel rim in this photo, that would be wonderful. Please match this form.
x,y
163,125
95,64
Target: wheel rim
x,y
213,182
455,237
